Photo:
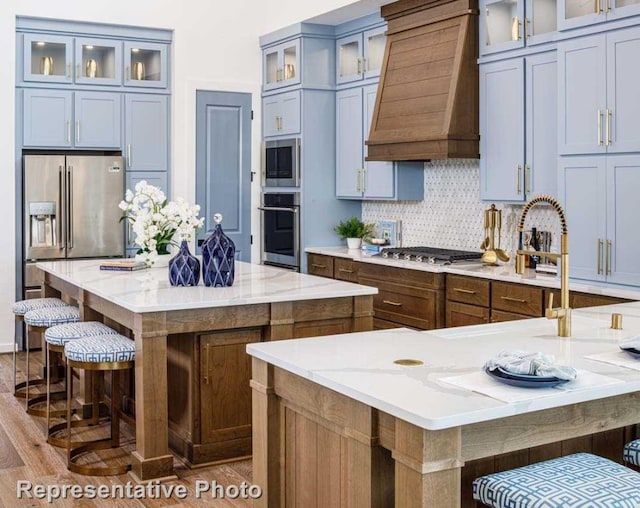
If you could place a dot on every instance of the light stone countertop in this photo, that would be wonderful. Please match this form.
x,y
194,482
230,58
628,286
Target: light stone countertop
x,y
503,272
149,290
360,365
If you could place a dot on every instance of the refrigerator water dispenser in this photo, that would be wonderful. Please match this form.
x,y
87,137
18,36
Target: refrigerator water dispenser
x,y
42,224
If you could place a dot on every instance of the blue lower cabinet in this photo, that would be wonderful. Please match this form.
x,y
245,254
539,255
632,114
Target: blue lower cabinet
x,y
47,118
98,120
146,132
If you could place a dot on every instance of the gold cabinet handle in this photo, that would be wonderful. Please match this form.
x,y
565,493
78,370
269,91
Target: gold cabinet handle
x,y
77,131
68,131
206,363
358,181
607,6
365,65
129,155
600,142
359,66
315,265
395,304
609,114
608,257
600,245
511,299
465,291
598,7
519,185
364,179
345,270
527,28
527,179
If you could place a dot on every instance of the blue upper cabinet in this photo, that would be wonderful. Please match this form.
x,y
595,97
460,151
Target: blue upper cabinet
x,y
577,13
98,61
66,119
47,58
359,55
518,117
510,24
145,64
281,65
146,132
97,119
281,114
599,107
601,243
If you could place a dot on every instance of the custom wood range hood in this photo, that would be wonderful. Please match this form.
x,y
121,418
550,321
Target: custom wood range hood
x,y
427,101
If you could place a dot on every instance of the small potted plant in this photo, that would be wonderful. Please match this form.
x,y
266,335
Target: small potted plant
x,y
354,230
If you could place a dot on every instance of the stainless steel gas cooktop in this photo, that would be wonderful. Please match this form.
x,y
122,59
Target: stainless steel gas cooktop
x,y
430,254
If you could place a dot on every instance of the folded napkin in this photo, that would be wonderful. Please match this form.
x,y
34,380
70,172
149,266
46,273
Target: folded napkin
x,y
532,364
631,342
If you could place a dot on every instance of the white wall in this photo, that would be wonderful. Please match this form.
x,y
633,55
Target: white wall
x,y
215,47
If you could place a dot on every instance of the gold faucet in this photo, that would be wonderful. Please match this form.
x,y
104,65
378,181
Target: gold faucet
x,y
562,313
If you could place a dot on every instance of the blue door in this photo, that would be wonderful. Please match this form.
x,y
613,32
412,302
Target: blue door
x,y
223,165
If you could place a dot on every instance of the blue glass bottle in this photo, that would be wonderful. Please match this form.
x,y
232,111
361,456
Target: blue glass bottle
x,y
184,268
218,257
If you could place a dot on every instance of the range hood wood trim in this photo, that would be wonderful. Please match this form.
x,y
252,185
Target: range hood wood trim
x,y
437,127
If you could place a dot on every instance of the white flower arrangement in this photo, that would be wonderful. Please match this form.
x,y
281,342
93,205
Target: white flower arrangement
x,y
155,221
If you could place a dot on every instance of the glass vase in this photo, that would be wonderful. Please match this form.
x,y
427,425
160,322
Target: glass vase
x,y
184,268
218,257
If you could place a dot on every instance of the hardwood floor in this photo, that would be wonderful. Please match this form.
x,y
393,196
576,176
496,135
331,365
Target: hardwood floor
x,y
25,456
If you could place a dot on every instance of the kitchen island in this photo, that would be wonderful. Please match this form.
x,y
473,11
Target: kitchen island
x,y
191,370
338,423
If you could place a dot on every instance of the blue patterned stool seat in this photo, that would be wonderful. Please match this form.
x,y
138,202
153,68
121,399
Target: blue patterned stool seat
x,y
23,306
632,453
52,316
581,480
101,348
59,335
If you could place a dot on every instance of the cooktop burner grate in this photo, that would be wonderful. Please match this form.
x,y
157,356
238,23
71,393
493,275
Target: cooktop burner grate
x,y
430,254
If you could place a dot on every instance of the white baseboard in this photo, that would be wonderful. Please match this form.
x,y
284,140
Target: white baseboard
x,y
7,348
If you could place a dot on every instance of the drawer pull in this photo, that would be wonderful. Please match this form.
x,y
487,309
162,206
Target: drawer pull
x,y
395,304
345,270
318,266
511,299
466,291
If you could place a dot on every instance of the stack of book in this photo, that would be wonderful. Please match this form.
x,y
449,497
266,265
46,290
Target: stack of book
x,y
125,265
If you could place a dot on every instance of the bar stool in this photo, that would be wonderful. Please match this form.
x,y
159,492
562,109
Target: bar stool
x,y
55,339
631,453
20,308
39,320
581,479
102,353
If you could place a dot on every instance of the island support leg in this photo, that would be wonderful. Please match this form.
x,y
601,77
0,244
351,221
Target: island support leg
x,y
427,467
151,460
267,436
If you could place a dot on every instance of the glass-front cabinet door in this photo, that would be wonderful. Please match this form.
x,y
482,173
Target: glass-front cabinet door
x,y
576,13
48,58
145,64
98,61
373,51
281,65
511,24
349,58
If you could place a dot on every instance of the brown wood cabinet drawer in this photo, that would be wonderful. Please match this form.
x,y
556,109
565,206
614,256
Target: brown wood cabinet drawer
x,y
461,314
418,312
499,316
400,276
517,298
345,269
468,290
317,264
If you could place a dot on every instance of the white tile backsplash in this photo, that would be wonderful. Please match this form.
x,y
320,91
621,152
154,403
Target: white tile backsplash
x,y
451,215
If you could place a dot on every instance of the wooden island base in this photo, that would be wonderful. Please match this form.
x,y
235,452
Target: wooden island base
x,y
209,372
316,447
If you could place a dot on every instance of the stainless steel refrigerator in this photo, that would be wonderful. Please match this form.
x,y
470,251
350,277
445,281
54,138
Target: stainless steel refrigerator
x,y
71,206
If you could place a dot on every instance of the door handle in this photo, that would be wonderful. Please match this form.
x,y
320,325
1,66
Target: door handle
x,y
527,179
511,299
129,155
359,66
527,28
600,246
609,114
364,180
395,304
345,270
466,291
77,131
518,185
608,257
59,225
600,142
68,131
70,206
358,181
